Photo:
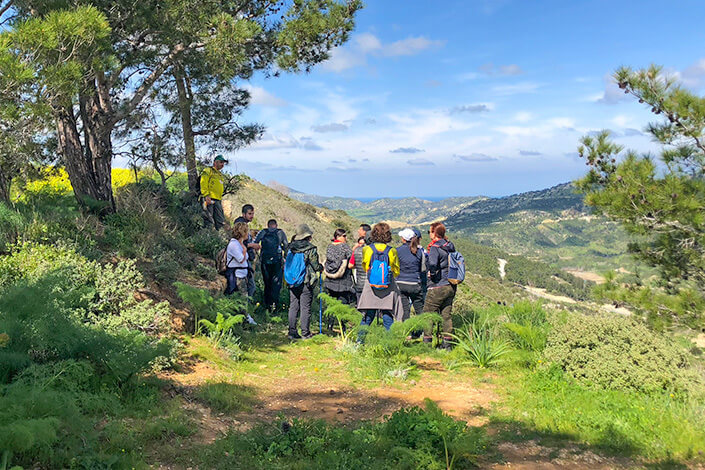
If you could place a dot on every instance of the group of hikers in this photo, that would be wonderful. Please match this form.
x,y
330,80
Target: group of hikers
x,y
372,275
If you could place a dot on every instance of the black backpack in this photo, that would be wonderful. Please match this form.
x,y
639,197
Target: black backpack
x,y
270,247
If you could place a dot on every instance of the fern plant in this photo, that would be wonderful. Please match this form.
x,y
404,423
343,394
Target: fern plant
x,y
343,314
221,328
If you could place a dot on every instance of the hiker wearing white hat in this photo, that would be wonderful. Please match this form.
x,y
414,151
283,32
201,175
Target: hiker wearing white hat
x,y
412,263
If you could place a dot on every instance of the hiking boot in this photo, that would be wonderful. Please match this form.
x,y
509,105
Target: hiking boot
x,y
307,336
294,336
447,344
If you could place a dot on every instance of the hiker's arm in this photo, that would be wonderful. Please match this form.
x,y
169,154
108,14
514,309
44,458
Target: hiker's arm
x,y
433,260
234,253
424,263
314,261
260,236
394,262
283,242
205,185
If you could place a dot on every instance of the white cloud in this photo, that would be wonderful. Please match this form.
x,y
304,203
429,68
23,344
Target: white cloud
x,y
523,116
476,157
362,45
612,93
331,127
410,46
260,96
516,89
420,162
694,76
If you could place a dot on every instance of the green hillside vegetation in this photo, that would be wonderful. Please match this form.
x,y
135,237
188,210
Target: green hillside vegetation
x,y
93,374
408,210
289,212
552,225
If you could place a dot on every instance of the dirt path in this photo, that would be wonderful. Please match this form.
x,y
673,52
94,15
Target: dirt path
x,y
326,392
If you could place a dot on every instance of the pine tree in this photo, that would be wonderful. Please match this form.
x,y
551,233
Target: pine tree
x,y
659,201
96,63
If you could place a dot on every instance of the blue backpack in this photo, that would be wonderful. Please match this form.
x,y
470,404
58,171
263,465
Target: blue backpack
x,y
295,269
378,274
456,268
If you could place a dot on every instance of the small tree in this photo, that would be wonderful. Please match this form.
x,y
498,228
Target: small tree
x,y
660,202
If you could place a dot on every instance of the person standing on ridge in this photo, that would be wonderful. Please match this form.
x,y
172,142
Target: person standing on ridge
x,y
248,213
273,242
301,295
411,264
212,188
441,292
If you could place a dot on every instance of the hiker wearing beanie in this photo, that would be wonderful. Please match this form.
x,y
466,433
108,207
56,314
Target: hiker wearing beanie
x,y
380,292
339,281
411,264
301,273
359,270
441,292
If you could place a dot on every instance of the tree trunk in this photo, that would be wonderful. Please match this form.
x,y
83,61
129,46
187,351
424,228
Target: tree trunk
x,y
5,182
185,99
88,166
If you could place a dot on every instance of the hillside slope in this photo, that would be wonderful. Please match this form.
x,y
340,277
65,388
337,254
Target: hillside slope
x,y
408,210
271,204
551,225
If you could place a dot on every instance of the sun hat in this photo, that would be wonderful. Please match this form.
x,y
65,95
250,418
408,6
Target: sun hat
x,y
303,231
407,234
220,158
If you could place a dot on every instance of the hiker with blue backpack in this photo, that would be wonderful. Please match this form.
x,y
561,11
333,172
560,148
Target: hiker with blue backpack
x,y
380,292
301,271
446,269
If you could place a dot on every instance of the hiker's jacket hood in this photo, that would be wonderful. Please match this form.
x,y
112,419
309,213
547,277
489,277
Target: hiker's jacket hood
x,y
438,262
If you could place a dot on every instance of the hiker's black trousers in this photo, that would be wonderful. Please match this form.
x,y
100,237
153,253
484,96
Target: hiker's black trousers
x,y
272,274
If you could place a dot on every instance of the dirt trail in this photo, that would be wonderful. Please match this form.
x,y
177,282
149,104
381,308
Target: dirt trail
x,y
334,398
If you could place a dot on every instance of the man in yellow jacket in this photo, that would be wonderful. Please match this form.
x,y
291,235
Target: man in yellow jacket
x,y
212,187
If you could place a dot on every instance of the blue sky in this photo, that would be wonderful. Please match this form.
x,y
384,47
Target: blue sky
x,y
462,98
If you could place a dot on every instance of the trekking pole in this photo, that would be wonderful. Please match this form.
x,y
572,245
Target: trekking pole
x,y
320,304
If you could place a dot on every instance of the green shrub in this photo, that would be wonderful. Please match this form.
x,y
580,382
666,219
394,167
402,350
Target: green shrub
x,y
101,294
614,352
409,439
204,306
39,331
206,242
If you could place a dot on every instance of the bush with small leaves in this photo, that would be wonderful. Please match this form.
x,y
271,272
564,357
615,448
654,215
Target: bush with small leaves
x,y
615,352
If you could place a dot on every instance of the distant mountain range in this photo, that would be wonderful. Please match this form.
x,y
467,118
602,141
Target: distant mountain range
x,y
408,210
552,225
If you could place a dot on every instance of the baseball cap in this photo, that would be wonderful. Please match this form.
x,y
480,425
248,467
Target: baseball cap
x,y
220,158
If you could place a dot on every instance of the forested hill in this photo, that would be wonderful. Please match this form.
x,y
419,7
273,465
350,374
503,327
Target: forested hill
x,y
552,200
408,210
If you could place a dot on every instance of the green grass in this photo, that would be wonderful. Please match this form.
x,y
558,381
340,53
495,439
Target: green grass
x,y
652,426
226,397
